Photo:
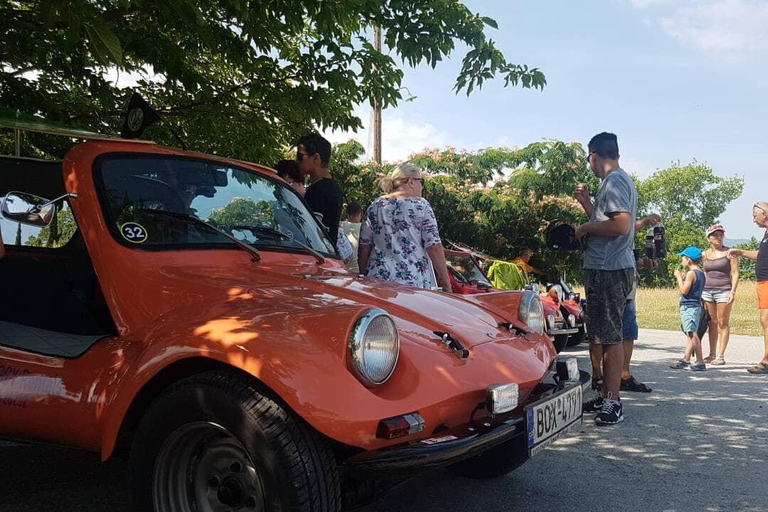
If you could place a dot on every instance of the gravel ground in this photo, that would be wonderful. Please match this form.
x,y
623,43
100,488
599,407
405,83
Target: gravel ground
x,y
699,442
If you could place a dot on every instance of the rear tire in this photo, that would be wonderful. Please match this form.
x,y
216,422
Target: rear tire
x,y
494,463
213,442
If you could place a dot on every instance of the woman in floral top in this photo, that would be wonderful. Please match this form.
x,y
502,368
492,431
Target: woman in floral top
x,y
399,233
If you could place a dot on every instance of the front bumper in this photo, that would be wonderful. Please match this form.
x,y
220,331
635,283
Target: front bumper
x,y
454,445
558,332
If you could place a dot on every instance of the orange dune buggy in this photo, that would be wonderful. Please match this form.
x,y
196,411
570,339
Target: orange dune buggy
x,y
190,310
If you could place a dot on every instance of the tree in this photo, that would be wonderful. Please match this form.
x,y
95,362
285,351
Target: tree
x,y
502,200
747,267
692,193
239,78
242,211
61,229
689,198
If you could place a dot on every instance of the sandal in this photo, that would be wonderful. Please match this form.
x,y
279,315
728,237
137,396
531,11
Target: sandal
x,y
631,384
709,359
597,383
759,368
719,361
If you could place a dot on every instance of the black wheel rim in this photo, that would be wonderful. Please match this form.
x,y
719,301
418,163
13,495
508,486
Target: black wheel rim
x,y
202,467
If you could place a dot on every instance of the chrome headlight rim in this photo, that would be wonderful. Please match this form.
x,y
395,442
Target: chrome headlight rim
x,y
356,347
558,292
531,304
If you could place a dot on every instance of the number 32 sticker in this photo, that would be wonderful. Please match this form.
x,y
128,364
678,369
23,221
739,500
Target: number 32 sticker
x,y
134,232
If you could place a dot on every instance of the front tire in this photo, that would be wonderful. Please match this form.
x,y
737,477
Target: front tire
x,y
213,442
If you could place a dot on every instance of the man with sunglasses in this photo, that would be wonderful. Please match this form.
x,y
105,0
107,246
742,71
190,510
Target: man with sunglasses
x,y
760,217
323,195
609,264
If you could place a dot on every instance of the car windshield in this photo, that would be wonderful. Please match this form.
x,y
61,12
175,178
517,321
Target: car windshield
x,y
466,266
155,201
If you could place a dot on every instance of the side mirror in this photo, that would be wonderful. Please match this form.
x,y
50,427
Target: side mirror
x,y
28,209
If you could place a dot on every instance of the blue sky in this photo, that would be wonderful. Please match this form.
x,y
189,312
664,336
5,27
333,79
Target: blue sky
x,y
674,79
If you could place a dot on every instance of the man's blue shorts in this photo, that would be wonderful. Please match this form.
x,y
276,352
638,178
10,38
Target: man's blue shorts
x,y
629,321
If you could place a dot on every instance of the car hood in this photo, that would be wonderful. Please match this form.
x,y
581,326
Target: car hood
x,y
419,314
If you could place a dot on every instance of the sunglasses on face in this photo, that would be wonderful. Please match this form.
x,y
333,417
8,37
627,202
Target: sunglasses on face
x,y
300,156
420,180
586,158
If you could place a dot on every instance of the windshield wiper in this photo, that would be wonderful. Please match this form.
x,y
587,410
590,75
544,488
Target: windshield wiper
x,y
276,233
254,252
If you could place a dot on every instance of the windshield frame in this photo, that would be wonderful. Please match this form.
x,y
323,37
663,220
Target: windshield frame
x,y
101,192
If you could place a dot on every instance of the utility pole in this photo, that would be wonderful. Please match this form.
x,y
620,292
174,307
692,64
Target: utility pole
x,y
376,105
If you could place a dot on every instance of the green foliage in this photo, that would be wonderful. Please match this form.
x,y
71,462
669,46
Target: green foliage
x,y
242,211
747,267
239,78
481,198
689,198
358,181
691,192
501,200
56,234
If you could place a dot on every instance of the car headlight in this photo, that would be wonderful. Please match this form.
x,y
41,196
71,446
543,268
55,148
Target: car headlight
x,y
531,311
572,320
558,292
374,346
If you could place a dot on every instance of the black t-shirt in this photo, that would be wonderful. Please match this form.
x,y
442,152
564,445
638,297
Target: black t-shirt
x,y
761,269
325,196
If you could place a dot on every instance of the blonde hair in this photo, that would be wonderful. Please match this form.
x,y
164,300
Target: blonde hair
x,y
398,176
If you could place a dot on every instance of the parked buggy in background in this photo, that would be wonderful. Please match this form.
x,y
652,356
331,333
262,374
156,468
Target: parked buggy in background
x,y
189,310
468,278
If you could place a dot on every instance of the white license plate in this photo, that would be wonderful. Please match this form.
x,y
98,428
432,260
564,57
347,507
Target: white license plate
x,y
552,418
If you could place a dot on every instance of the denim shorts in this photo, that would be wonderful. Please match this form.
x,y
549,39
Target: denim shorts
x,y
689,316
629,321
717,296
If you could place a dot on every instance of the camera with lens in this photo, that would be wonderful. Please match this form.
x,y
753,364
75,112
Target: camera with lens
x,y
656,243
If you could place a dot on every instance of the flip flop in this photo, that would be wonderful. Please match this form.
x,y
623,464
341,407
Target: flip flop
x,y
759,368
709,359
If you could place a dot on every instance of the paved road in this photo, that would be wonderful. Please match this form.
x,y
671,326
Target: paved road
x,y
699,442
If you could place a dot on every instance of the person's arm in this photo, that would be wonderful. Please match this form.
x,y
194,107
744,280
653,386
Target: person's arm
x,y
437,254
363,253
647,222
741,253
617,224
582,196
685,285
647,263
365,243
734,279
